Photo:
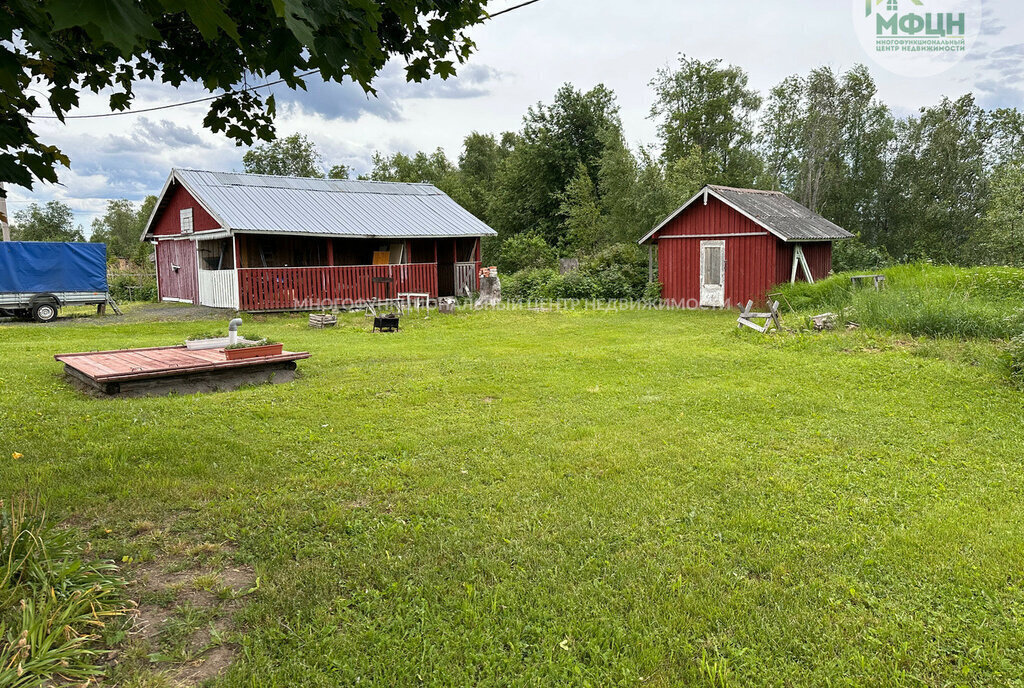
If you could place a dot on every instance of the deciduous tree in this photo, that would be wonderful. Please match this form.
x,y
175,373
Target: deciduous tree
x,y
51,222
999,238
339,172
293,156
708,107
61,47
585,228
555,140
120,227
939,184
433,168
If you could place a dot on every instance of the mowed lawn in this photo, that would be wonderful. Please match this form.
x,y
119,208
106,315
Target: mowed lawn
x,y
564,498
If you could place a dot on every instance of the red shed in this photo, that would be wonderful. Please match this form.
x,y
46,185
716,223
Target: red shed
x,y
260,242
726,246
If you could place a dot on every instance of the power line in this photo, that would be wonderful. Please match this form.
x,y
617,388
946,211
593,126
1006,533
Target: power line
x,y
514,7
174,105
228,93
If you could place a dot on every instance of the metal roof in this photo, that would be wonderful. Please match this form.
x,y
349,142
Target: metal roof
x,y
328,207
773,210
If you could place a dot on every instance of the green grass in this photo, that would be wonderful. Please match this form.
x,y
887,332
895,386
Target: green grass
x,y
923,300
566,498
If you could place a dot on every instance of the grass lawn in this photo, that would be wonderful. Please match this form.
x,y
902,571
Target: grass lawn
x,y
561,498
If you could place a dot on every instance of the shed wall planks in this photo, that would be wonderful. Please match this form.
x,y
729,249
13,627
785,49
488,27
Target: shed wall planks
x,y
169,221
750,259
817,253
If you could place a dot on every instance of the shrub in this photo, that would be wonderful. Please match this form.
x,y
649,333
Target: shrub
x,y
526,251
143,287
854,254
629,265
527,285
652,292
572,285
613,283
607,283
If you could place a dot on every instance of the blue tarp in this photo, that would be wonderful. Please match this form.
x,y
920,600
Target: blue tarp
x,y
43,266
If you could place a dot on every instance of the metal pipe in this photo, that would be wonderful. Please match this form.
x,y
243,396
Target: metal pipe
x,y
233,331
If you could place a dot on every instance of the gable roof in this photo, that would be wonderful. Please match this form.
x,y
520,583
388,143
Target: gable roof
x,y
773,210
269,204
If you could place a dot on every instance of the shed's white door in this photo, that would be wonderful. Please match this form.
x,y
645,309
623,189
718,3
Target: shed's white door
x,y
712,273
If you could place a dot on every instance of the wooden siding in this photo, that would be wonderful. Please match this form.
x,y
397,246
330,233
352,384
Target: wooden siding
x,y
819,257
262,289
168,222
749,257
181,284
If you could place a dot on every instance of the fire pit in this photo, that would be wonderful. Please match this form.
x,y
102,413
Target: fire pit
x,y
385,323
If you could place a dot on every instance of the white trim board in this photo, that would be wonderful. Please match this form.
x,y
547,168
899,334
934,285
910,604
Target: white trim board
x,y
711,236
207,235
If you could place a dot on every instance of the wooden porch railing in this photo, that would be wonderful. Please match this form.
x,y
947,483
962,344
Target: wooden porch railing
x,y
466,277
268,289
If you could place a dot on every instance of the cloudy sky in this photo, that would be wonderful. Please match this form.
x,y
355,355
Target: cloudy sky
x,y
522,57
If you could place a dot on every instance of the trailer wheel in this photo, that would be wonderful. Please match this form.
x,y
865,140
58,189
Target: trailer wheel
x,y
44,312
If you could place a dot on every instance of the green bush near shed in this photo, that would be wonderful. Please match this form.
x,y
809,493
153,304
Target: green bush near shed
x,y
132,287
617,272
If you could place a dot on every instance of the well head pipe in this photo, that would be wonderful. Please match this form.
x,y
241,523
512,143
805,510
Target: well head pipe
x,y
233,331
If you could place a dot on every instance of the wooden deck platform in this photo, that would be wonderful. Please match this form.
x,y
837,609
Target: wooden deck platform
x,y
165,369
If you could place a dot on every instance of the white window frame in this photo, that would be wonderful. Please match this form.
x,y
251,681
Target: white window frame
x,y
185,217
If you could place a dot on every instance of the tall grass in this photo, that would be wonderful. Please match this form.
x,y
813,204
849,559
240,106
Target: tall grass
x,y
54,605
924,300
1016,351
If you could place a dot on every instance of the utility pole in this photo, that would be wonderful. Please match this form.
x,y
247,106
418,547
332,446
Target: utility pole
x,y
5,226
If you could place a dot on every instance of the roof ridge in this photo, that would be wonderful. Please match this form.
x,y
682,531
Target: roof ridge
x,y
290,176
720,187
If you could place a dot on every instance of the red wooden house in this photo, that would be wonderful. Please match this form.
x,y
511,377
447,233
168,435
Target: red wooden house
x,y
260,242
726,246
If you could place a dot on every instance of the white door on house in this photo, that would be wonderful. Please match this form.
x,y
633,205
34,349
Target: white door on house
x,y
712,273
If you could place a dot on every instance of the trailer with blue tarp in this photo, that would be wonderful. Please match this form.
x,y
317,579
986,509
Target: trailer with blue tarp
x,y
37,278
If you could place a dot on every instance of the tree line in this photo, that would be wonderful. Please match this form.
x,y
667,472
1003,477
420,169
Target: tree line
x,y
945,184
120,227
